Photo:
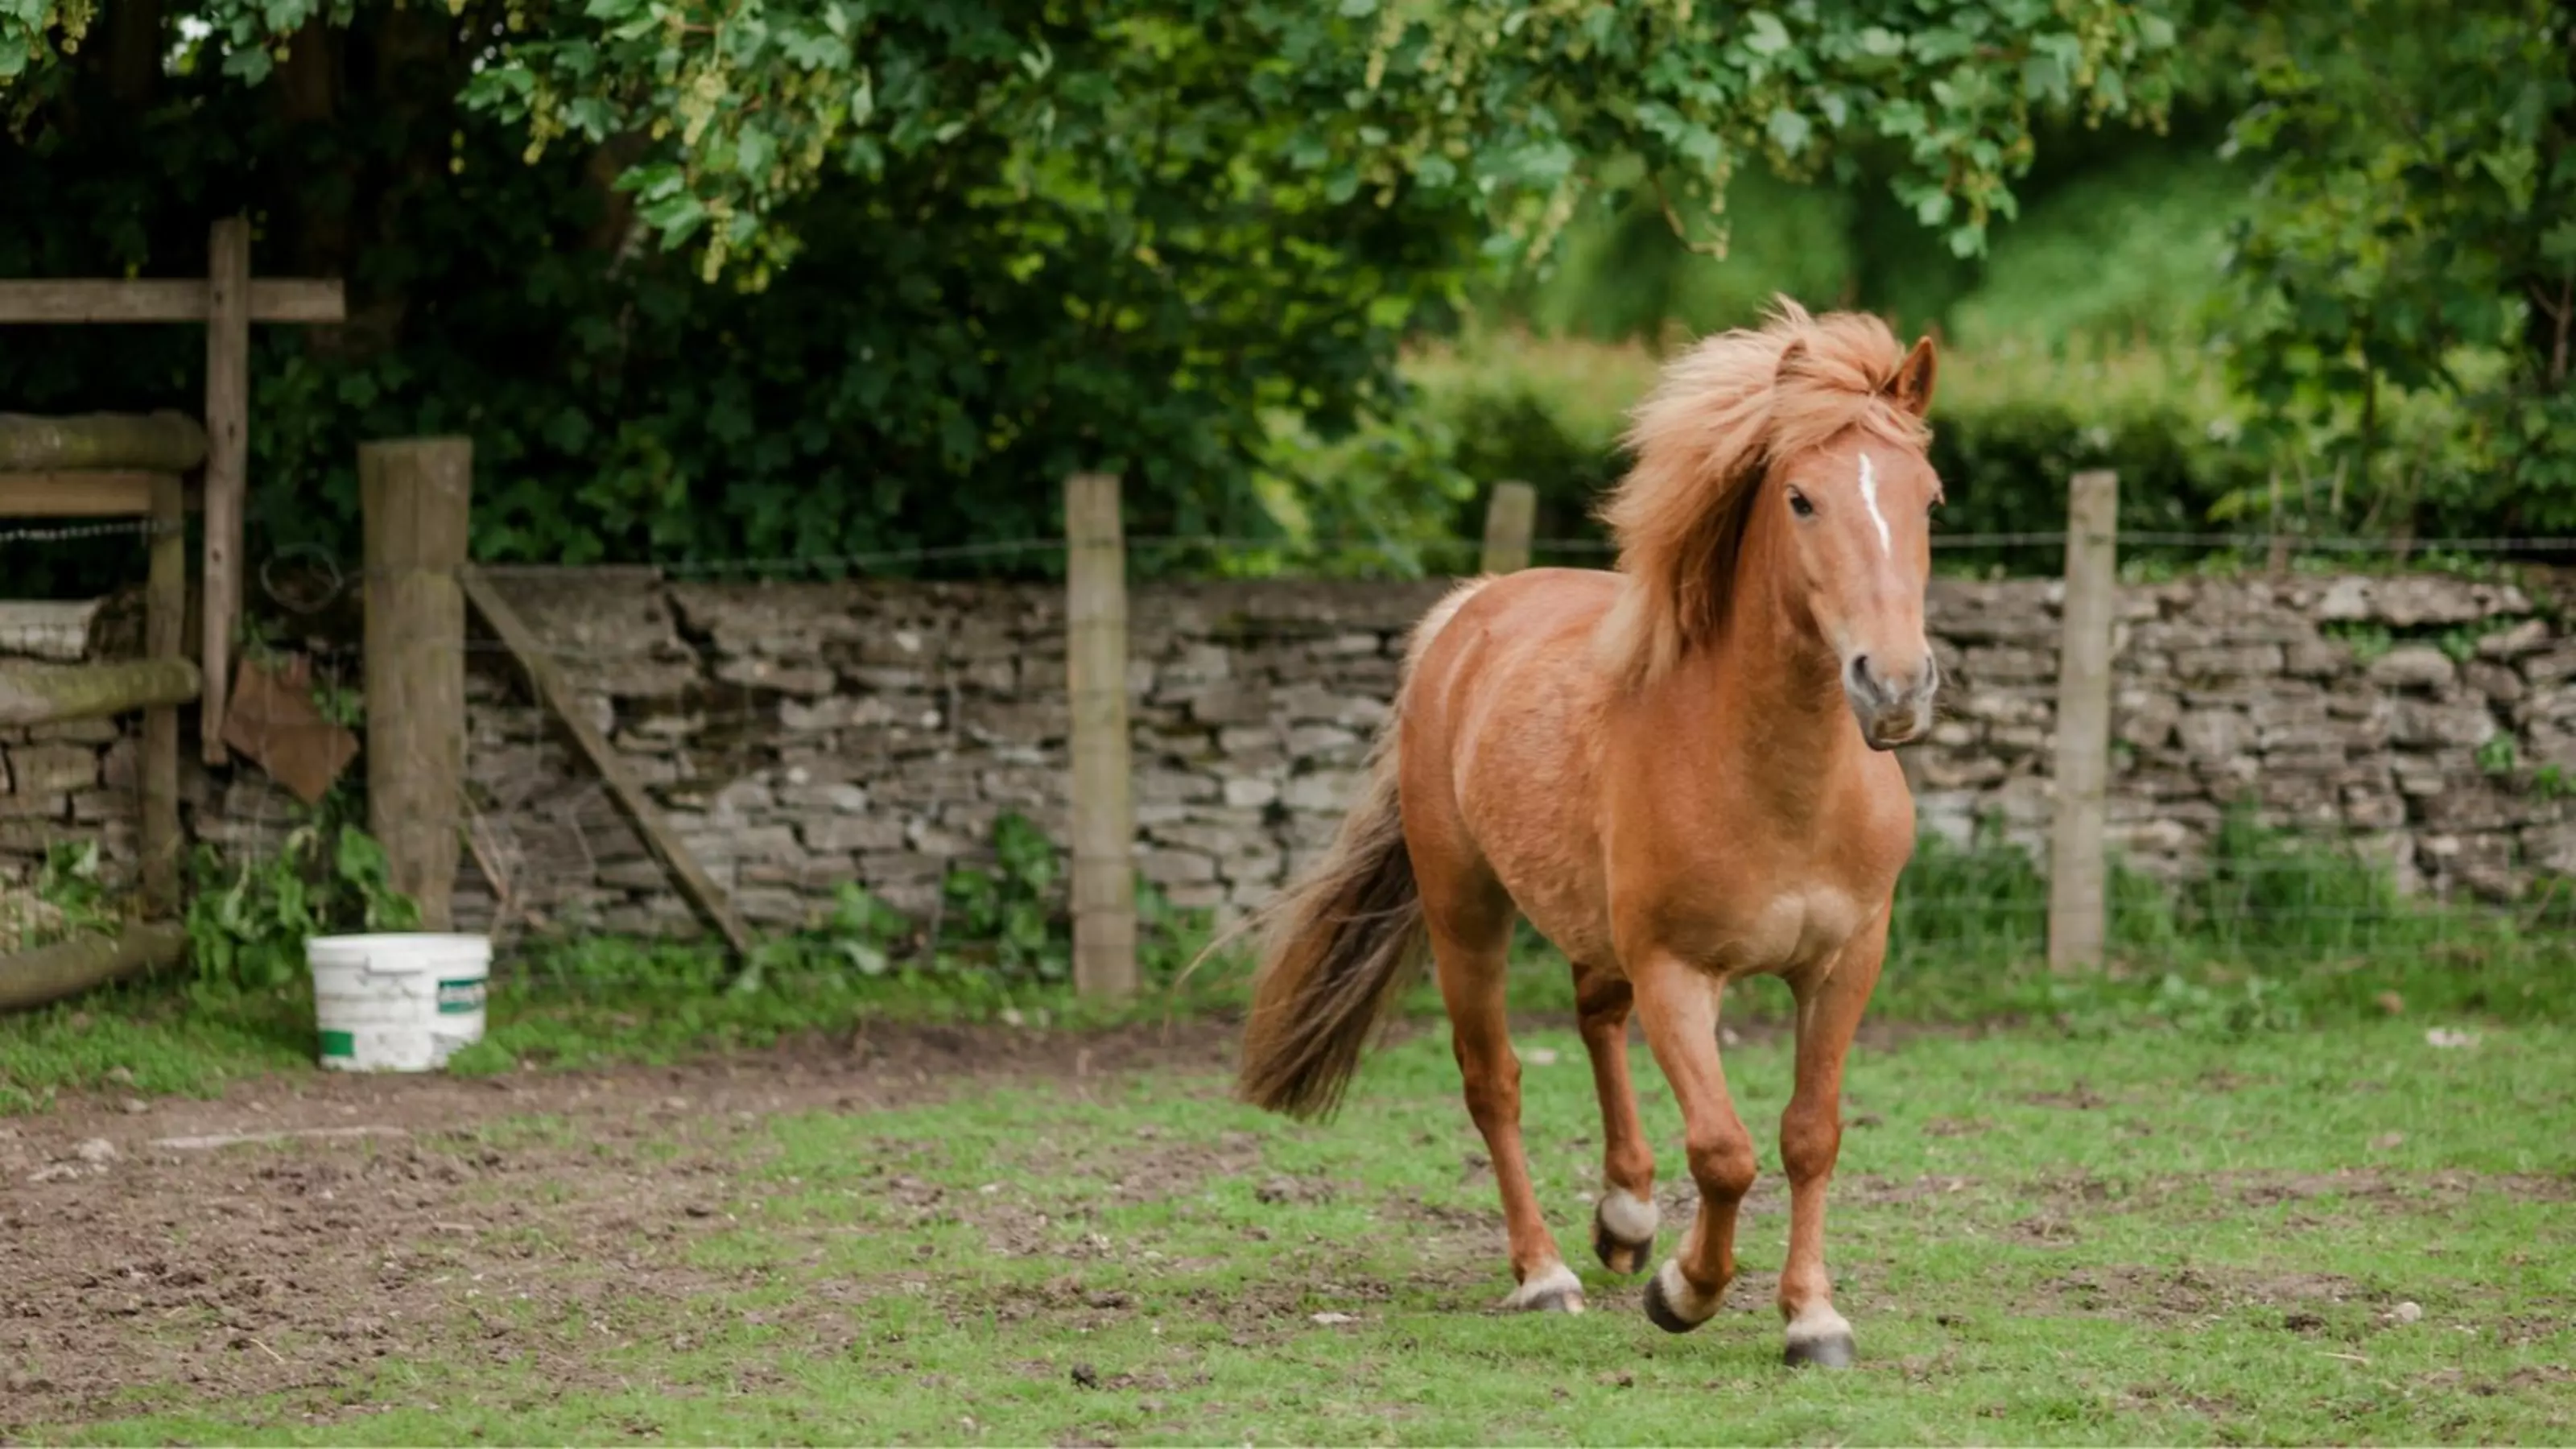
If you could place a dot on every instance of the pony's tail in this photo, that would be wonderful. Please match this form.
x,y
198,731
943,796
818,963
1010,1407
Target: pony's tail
x,y
1346,938
1343,942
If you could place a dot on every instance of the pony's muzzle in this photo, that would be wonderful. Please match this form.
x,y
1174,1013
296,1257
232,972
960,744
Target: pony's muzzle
x,y
1893,706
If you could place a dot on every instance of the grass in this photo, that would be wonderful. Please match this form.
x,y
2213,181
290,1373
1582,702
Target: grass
x,y
2185,1199
617,1002
2158,1238
184,1041
2282,932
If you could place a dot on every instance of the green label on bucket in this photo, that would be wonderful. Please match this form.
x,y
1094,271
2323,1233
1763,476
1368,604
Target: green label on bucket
x,y
458,998
339,1044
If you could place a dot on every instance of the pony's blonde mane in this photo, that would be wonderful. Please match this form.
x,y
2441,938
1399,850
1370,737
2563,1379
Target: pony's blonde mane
x,y
1723,414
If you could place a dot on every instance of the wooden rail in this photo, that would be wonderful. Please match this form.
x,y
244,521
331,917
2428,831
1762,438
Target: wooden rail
x,y
88,302
227,301
34,694
559,700
44,974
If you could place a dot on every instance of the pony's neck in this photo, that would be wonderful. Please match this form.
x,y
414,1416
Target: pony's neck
x,y
1776,684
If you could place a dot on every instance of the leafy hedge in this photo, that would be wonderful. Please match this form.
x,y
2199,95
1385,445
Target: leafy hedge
x,y
2005,464
2005,469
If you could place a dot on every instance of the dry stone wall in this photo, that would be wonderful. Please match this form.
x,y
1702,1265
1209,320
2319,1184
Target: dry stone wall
x,y
808,736
804,737
2427,721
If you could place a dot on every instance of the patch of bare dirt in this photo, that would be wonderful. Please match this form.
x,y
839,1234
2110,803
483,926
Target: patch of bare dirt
x,y
2077,1194
286,1236
2391,1188
2529,1376
1876,1191
2044,1229
1153,1167
2168,1296
2152,1398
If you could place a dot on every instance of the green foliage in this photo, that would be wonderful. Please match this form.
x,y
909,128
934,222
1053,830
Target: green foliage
x,y
2261,894
2005,437
248,920
2128,251
70,884
1013,910
2270,892
1985,900
2497,756
1488,107
1004,927
67,897
1382,500
1028,238
2367,641
2406,284
1622,274
2118,241
2006,469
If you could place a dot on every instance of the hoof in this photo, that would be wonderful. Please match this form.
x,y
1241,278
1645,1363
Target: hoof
x,y
1832,1351
1617,1254
1555,1291
1660,1309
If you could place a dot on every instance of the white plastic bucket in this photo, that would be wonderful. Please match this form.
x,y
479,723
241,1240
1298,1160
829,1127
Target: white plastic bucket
x,y
397,1003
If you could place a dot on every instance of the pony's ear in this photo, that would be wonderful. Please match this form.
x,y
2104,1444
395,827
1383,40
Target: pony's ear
x,y
1911,387
1792,358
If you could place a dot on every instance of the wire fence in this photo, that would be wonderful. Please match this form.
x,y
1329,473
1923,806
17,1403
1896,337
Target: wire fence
x,y
842,751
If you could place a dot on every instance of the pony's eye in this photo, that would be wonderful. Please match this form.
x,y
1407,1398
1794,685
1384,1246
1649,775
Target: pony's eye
x,y
1799,505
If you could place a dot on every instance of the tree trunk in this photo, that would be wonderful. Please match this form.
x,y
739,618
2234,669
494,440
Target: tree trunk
x,y
32,694
136,46
159,443
68,968
312,219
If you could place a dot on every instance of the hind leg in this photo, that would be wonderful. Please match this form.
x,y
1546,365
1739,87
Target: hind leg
x,y
1471,931
1624,1220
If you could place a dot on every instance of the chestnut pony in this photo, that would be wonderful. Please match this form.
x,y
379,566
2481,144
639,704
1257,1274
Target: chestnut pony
x,y
1678,772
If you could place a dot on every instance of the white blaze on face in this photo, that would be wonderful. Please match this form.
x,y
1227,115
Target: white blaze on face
x,y
1869,495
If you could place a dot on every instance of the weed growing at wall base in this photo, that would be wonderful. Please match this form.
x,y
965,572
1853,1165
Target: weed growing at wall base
x,y
1005,924
249,919
2275,931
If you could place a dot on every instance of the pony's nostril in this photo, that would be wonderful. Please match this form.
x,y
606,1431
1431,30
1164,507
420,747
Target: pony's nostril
x,y
1860,671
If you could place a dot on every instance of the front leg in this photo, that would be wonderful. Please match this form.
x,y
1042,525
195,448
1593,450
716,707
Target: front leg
x,y
1811,1136
1678,1006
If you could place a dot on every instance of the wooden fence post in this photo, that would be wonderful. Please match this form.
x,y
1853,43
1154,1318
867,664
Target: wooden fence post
x,y
227,465
416,498
1104,813
1510,515
2277,555
2078,902
165,619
